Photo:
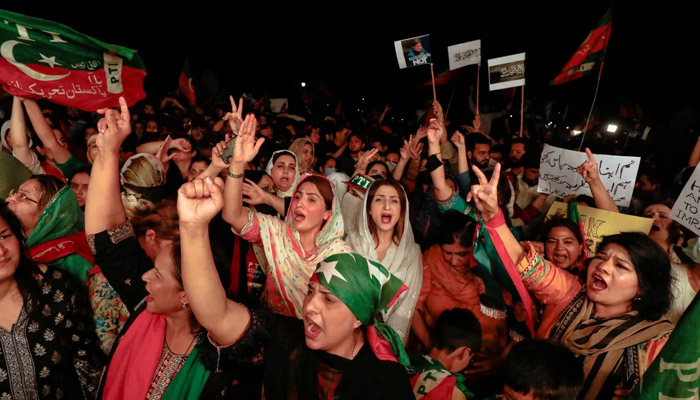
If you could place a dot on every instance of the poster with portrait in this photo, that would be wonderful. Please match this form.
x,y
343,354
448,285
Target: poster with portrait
x,y
507,72
463,54
413,52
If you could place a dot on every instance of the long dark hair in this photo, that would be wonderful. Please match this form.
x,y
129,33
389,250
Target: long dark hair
x,y
399,227
27,269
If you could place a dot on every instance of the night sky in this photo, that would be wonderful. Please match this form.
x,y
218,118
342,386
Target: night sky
x,y
272,48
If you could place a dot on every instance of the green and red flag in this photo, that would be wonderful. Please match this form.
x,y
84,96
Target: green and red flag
x,y
675,372
45,59
185,84
589,54
575,216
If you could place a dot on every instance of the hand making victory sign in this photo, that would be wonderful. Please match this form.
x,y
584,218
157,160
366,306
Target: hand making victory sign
x,y
485,194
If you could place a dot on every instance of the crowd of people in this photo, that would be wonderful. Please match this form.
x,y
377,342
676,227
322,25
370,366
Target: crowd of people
x,y
171,252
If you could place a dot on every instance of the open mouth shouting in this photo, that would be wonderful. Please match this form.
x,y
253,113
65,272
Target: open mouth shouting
x,y
597,283
311,329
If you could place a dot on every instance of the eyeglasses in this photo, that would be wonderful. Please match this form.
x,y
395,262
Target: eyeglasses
x,y
22,196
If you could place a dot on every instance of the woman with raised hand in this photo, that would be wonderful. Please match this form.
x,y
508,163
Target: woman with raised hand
x,y
384,235
614,319
338,351
311,231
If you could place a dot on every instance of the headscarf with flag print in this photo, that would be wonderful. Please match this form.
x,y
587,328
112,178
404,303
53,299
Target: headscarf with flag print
x,y
367,288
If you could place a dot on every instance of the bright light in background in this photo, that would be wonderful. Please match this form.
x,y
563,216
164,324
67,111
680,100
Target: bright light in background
x,y
612,128
303,84
576,132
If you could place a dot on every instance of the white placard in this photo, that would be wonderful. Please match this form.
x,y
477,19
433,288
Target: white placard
x,y
686,210
463,54
507,72
558,174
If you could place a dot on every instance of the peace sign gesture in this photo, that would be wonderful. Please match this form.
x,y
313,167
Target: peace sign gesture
x,y
485,194
235,117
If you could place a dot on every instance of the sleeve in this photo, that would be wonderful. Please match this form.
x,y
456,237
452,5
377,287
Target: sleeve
x,y
426,285
251,231
35,165
71,166
464,181
87,357
455,202
122,261
247,350
549,283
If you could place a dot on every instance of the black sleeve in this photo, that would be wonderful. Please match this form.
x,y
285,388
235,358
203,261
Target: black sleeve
x,y
122,261
287,202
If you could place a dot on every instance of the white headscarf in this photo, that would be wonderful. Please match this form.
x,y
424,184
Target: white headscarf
x,y
405,261
271,163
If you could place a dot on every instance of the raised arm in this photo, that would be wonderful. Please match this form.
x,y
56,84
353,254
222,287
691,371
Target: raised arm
x,y
364,160
589,172
463,164
254,195
57,152
18,133
245,150
197,203
437,169
153,147
104,208
217,163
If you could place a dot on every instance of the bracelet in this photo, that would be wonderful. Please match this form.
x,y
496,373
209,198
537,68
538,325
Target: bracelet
x,y
433,163
235,176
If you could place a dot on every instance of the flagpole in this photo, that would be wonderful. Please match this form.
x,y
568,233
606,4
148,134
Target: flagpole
x,y
478,74
432,74
450,102
595,96
522,109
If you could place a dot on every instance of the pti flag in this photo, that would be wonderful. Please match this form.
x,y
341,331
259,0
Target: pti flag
x,y
45,59
185,83
589,54
675,372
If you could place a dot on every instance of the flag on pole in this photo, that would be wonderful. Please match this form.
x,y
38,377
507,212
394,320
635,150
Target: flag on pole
x,y
589,54
506,72
185,83
675,372
575,217
463,54
45,59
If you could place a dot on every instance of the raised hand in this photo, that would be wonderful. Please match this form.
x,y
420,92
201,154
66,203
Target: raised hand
x,y
435,132
415,149
235,117
114,127
365,159
254,195
217,152
458,140
421,133
477,123
485,194
246,146
199,201
437,109
162,153
181,144
589,169
404,153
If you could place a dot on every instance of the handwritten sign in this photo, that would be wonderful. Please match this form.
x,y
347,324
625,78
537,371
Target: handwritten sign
x,y
686,210
507,72
558,174
599,223
463,54
413,52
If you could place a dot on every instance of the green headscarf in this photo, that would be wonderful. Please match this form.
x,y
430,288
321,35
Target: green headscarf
x,y
367,288
62,217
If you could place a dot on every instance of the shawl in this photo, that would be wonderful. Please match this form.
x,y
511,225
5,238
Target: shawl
x,y
603,341
297,148
288,266
404,261
271,163
137,356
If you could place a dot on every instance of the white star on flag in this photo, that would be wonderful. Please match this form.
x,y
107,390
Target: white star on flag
x,y
377,273
329,270
50,61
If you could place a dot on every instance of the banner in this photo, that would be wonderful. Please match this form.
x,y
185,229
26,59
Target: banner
x,y
686,209
599,223
463,54
413,52
507,72
558,174
45,59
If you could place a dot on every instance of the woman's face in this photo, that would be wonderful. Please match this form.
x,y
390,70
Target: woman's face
x,y
385,208
79,183
456,255
659,229
315,136
612,281
283,171
378,169
195,169
308,209
165,294
9,251
329,324
267,184
24,203
307,155
562,247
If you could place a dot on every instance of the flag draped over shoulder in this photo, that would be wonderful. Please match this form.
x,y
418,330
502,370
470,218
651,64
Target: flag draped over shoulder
x,y
185,83
45,59
589,54
675,372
